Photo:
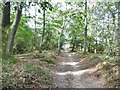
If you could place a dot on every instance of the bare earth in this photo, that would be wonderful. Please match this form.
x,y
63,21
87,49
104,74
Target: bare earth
x,y
68,74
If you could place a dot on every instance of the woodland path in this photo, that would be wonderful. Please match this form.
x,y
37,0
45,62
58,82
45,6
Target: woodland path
x,y
68,74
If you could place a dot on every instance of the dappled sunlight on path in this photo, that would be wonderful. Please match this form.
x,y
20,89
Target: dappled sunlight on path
x,y
69,63
80,72
68,73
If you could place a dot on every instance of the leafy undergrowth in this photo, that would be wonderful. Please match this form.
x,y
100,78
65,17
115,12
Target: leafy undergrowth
x,y
106,67
27,71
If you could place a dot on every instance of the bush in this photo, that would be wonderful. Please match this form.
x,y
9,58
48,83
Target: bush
x,y
49,61
44,52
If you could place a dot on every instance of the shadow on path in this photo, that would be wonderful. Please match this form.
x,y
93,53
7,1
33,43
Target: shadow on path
x,y
68,73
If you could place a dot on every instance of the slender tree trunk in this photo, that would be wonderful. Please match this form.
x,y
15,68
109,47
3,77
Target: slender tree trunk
x,y
42,38
108,40
59,43
85,32
73,47
35,31
6,13
1,44
14,28
103,38
89,47
113,39
96,44
118,31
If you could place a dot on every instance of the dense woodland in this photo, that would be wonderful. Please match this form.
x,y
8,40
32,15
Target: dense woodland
x,y
36,29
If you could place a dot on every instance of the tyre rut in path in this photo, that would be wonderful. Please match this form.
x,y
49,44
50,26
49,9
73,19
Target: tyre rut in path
x,y
69,75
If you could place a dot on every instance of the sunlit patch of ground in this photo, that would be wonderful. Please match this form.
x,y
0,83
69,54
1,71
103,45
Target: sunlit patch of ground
x,y
69,63
75,73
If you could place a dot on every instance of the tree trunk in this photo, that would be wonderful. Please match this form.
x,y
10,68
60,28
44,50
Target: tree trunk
x,y
59,43
5,22
74,41
14,28
42,38
35,31
113,39
73,47
117,32
108,40
85,32
6,14
89,47
1,36
96,44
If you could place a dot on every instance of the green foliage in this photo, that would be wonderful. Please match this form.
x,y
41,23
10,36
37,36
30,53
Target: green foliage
x,y
114,82
23,39
7,62
44,52
45,5
8,59
48,60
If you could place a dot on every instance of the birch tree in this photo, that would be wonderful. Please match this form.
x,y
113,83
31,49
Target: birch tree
x,y
85,32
